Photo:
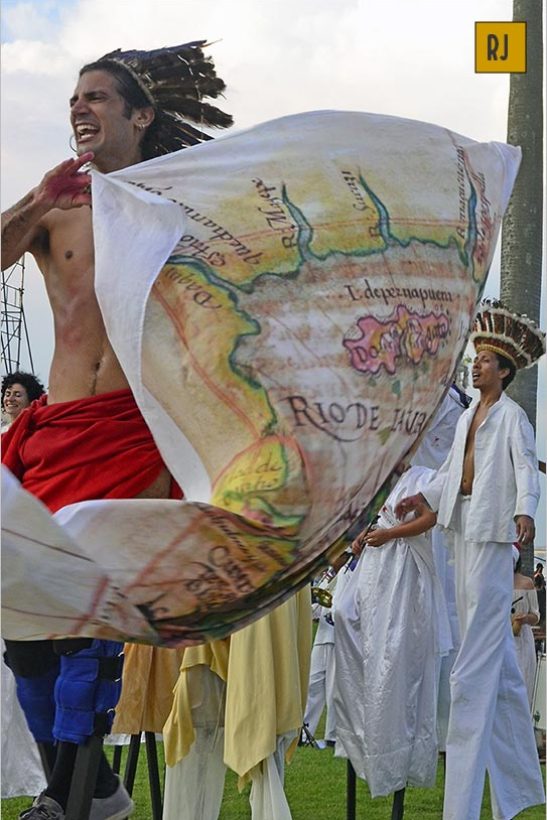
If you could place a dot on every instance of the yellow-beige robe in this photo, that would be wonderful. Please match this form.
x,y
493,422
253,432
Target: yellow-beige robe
x,y
266,670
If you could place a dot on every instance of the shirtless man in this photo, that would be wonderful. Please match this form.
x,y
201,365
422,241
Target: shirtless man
x,y
486,493
488,377
53,222
114,116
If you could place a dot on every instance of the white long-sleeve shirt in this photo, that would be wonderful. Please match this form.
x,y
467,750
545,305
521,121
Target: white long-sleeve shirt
x,y
505,483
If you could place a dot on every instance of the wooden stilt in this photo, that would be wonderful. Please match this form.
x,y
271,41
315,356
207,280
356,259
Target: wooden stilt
x,y
131,762
84,779
153,775
44,760
351,793
306,738
117,759
398,808
153,770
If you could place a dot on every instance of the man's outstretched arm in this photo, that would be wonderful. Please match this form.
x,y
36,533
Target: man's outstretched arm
x,y
63,187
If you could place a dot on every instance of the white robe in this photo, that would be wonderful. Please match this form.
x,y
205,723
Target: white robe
x,y
387,643
524,641
22,771
432,452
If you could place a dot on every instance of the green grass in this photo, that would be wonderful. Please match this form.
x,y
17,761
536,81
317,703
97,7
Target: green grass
x,y
316,789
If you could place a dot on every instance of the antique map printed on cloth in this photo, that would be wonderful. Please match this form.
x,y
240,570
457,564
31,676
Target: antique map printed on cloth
x,y
289,304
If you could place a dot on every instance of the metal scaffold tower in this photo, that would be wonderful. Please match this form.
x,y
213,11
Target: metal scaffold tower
x,y
15,339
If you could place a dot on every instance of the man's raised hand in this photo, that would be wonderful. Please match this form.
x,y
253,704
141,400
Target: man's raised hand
x,y
412,503
66,186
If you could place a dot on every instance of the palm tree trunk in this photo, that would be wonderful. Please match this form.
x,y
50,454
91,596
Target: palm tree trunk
x,y
521,247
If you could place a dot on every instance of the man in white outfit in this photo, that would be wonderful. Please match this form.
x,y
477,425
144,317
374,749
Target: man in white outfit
x,y
487,492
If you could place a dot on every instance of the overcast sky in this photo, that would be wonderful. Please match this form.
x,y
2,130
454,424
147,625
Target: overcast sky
x,y
411,59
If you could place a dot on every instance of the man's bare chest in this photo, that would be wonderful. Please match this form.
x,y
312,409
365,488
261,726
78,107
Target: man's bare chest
x,y
71,242
473,427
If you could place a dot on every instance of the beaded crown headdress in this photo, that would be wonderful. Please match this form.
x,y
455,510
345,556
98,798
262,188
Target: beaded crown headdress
x,y
516,337
175,80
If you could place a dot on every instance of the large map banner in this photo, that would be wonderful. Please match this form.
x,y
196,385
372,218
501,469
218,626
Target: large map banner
x,y
289,304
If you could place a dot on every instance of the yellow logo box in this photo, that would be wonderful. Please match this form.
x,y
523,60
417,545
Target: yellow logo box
x,y
500,48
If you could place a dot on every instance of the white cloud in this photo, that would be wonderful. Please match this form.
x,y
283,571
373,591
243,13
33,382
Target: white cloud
x,y
30,21
33,57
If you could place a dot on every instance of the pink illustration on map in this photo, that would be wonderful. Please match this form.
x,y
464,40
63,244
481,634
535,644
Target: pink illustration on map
x,y
405,335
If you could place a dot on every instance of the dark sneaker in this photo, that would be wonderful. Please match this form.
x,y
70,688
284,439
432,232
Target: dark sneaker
x,y
116,807
43,808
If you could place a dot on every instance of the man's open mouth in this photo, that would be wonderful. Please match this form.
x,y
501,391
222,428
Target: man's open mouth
x,y
85,131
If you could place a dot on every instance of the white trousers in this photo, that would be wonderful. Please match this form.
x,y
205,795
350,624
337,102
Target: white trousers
x,y
445,571
525,646
490,726
194,786
320,690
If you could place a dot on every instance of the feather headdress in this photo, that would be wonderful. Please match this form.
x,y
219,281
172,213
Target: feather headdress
x,y
516,337
175,81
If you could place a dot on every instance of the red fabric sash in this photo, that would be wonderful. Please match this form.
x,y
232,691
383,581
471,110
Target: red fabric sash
x,y
92,448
